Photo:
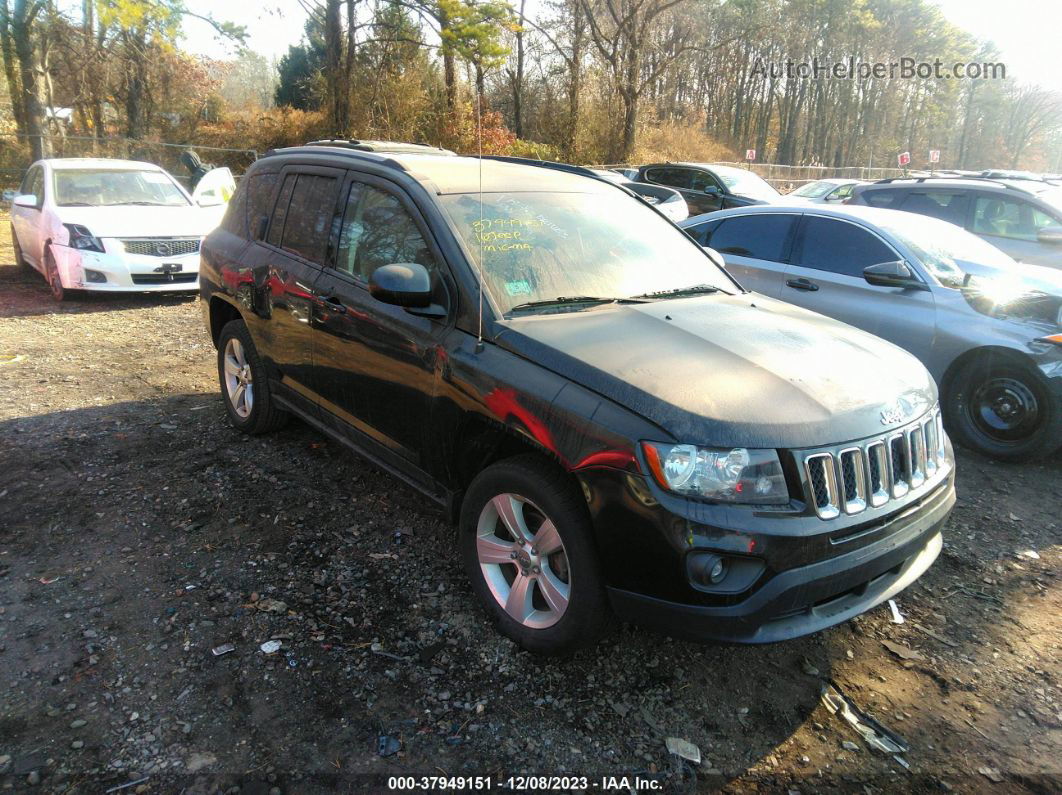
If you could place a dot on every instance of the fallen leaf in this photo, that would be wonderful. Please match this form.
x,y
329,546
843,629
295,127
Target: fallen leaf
x,y
901,651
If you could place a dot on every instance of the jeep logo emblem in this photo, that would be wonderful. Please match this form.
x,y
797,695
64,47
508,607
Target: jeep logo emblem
x,y
896,413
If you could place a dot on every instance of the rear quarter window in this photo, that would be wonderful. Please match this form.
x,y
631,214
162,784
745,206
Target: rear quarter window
x,y
235,220
881,198
259,188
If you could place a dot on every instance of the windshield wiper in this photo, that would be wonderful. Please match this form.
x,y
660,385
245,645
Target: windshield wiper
x,y
696,289
561,300
142,204
77,204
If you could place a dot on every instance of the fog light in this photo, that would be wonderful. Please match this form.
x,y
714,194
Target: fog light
x,y
712,572
717,570
94,276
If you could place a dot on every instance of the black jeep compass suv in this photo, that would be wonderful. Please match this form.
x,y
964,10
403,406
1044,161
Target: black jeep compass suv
x,y
616,426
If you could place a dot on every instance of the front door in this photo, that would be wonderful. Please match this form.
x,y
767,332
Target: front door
x,y
375,363
27,220
826,276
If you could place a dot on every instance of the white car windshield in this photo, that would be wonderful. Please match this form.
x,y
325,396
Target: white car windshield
x,y
745,183
942,246
540,247
109,187
814,190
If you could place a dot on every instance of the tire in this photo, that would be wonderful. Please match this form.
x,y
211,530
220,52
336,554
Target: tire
x,y
558,598
20,260
1000,408
252,409
55,281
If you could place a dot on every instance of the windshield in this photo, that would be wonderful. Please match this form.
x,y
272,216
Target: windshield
x,y
940,246
544,246
814,190
103,188
745,183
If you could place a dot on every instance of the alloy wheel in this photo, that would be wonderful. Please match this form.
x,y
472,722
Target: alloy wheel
x,y
523,561
239,382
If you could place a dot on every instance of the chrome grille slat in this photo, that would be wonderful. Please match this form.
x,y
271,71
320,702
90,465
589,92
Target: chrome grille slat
x,y
161,246
870,473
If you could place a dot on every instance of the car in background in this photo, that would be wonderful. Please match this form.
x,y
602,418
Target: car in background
x,y
615,426
114,225
823,191
1023,217
707,187
987,328
666,200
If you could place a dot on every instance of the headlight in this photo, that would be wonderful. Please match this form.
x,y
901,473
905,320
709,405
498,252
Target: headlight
x,y
735,475
81,238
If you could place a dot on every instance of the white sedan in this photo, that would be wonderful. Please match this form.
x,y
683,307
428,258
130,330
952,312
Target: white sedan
x,y
114,225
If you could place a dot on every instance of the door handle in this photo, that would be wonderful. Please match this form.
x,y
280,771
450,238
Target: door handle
x,y
802,284
333,304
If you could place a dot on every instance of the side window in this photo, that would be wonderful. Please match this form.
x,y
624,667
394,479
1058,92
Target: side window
x,y
881,198
841,193
280,212
235,220
699,180
757,236
702,233
841,247
377,231
1008,218
259,201
309,219
947,206
675,177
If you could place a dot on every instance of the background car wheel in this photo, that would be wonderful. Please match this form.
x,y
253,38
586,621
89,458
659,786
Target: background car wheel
x,y
1002,409
55,281
527,547
244,386
20,260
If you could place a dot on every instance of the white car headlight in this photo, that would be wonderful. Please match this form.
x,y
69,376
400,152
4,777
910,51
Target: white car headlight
x,y
735,475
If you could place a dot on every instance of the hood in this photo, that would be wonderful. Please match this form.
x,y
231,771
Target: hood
x,y
1020,276
138,221
725,371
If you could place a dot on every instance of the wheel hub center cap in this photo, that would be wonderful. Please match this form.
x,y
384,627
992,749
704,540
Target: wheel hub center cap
x,y
527,560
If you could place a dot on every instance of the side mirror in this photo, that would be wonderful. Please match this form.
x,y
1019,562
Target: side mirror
x,y
25,200
715,256
1052,235
405,284
209,199
893,274
711,190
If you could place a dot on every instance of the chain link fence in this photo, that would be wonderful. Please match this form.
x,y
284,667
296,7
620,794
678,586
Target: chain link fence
x,y
15,154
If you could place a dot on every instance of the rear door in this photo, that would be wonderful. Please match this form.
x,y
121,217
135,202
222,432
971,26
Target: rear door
x,y
755,247
286,264
826,276
375,363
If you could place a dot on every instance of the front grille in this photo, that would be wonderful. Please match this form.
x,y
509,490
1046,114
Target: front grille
x,y
164,278
876,470
161,246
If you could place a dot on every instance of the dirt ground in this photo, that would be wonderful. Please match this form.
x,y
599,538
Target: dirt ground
x,y
139,531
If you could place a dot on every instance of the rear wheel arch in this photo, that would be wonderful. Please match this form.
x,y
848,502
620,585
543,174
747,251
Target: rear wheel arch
x,y
221,312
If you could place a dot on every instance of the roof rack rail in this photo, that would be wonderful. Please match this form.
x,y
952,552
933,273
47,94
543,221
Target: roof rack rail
x,y
529,161
992,180
385,147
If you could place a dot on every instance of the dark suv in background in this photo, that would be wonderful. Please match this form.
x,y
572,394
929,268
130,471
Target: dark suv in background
x,y
615,424
1022,217
707,187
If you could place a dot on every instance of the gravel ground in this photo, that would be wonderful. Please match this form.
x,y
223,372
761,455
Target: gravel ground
x,y
140,532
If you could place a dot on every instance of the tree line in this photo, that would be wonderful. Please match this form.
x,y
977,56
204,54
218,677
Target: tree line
x,y
583,80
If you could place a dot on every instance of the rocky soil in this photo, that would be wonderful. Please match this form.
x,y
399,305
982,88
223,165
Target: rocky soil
x,y
139,532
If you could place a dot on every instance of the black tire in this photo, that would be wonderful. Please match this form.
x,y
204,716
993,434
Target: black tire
x,y
549,494
20,260
1000,408
262,415
55,283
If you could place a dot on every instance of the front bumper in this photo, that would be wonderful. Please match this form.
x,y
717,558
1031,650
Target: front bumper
x,y
812,597
126,272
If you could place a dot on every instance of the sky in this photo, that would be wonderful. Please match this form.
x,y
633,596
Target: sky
x,y
1025,31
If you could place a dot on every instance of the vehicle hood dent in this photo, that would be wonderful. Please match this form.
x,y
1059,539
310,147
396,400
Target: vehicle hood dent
x,y
724,371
